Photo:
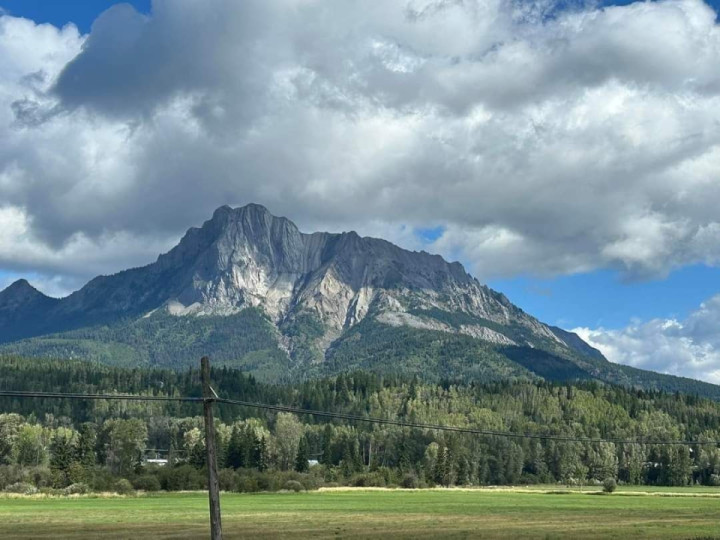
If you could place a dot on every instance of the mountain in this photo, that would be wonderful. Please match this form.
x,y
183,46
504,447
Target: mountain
x,y
254,292
20,304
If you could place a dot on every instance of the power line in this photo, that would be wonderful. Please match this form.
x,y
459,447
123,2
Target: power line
x,y
440,427
117,397
353,418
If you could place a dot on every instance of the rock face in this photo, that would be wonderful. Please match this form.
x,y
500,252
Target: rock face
x,y
247,257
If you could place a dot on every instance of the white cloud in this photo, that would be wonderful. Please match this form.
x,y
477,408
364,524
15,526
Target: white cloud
x,y
79,252
690,348
542,141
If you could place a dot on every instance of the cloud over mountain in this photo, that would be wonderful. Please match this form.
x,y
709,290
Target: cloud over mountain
x,y
537,138
689,347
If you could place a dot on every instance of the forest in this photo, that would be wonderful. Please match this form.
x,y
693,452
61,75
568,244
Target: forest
x,y
78,445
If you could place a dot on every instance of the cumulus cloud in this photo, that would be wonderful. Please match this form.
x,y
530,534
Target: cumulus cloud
x,y
539,139
689,347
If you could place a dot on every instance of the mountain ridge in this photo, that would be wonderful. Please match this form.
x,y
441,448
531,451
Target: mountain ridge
x,y
248,257
307,302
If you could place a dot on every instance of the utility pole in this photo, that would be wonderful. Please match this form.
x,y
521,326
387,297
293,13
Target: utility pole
x,y
209,397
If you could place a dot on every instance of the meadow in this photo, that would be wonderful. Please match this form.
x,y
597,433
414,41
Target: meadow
x,y
480,513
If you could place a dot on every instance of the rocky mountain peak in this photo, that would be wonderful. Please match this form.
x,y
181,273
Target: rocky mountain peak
x,y
247,257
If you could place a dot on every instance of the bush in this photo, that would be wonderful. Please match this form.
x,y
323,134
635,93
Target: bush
x,y
410,481
77,474
227,480
147,482
609,485
101,479
182,478
528,479
21,487
123,487
367,480
59,479
78,488
39,476
248,484
8,475
251,480
294,485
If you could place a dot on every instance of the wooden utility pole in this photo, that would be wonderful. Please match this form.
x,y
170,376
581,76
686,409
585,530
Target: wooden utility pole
x,y
213,486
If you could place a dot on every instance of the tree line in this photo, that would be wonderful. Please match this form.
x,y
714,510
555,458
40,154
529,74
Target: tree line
x,y
56,444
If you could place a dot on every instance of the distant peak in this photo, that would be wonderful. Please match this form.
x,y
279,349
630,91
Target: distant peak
x,y
225,209
20,290
21,284
251,208
254,207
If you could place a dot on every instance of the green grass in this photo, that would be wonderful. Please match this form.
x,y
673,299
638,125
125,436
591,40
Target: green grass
x,y
588,489
367,514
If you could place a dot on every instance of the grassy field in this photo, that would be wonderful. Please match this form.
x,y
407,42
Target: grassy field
x,y
371,514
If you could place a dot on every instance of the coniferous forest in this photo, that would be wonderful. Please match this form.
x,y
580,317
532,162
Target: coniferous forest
x,y
78,445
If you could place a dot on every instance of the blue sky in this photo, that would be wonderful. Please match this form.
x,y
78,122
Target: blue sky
x,y
571,166
602,298
82,13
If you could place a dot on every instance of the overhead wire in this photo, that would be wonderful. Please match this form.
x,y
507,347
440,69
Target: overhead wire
x,y
353,418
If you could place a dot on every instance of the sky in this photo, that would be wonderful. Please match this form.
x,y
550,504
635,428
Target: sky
x,y
566,152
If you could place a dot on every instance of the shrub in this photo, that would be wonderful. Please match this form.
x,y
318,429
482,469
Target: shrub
x,y
294,485
410,481
181,478
21,487
123,487
609,485
147,482
77,474
101,479
227,480
8,475
367,480
529,479
248,484
39,476
77,488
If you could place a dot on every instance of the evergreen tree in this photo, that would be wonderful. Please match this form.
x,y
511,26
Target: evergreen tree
x,y
440,468
61,449
463,471
235,451
262,455
61,454
255,450
301,460
326,458
403,454
448,477
85,445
